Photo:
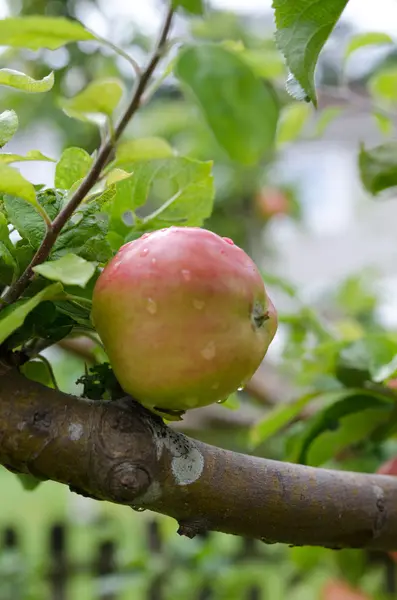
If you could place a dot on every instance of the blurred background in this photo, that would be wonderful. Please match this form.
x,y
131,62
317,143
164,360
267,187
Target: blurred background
x,y
329,256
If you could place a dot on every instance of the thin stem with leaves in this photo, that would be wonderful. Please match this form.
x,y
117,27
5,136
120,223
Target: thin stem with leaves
x,y
16,290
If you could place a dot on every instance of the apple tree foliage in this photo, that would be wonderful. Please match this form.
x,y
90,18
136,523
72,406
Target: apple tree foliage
x,y
209,122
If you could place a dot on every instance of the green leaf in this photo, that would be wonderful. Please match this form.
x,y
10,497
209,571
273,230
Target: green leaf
x,y
190,194
8,265
70,269
328,419
353,365
101,96
28,482
302,29
264,63
232,402
37,370
240,109
150,148
12,182
386,370
23,253
37,32
85,234
352,428
14,315
292,120
277,418
383,84
194,7
24,83
80,313
378,167
4,232
8,126
32,155
384,122
43,322
26,220
370,38
371,358
183,190
73,165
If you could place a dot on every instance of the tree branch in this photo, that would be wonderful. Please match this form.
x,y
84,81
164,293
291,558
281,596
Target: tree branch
x,y
54,228
118,451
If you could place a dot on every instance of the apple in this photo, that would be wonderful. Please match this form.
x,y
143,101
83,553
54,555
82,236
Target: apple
x,y
184,318
270,202
392,384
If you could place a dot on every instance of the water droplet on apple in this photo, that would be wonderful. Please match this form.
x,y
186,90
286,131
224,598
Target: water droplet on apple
x,y
240,389
221,401
144,252
154,261
209,351
229,241
151,306
186,274
199,304
138,508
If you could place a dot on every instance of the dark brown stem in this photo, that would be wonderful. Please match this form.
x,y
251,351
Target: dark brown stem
x,y
119,452
16,290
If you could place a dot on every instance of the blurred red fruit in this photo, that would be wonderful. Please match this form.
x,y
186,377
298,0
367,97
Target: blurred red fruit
x,y
270,202
339,590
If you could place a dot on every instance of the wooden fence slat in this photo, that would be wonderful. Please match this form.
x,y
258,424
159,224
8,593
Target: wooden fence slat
x,y
58,575
105,565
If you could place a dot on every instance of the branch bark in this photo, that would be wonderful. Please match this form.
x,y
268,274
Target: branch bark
x,y
120,452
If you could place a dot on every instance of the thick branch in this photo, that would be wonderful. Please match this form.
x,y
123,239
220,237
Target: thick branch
x,y
119,452
53,230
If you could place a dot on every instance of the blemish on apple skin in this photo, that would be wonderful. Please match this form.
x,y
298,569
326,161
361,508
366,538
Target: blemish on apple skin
x,y
209,351
75,431
199,304
229,241
151,306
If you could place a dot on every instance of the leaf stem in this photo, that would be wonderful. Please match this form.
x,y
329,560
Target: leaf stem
x,y
17,289
120,52
43,213
78,300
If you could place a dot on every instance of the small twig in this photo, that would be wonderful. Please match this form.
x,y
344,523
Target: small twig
x,y
16,290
